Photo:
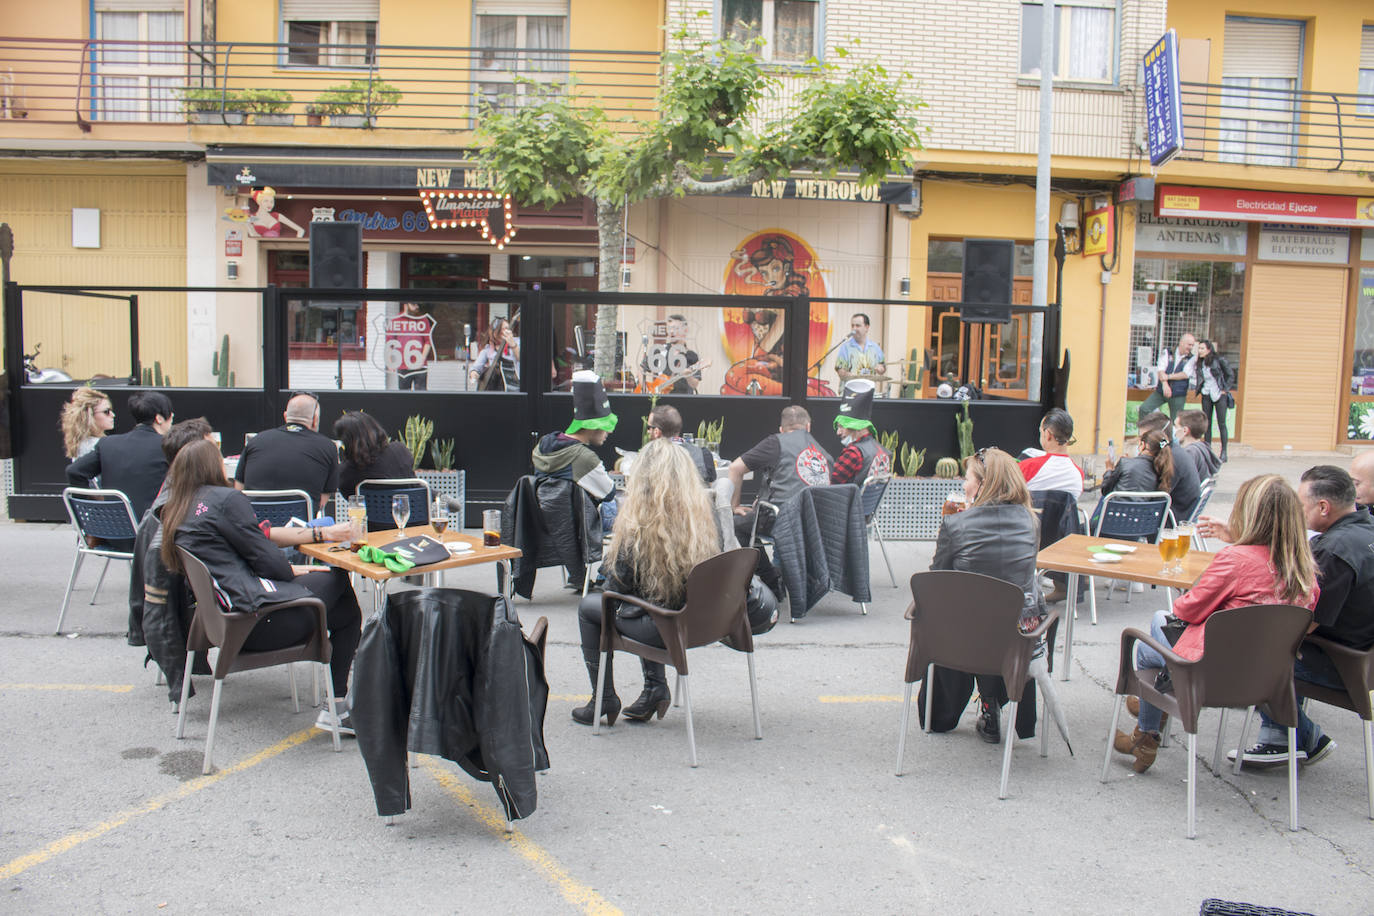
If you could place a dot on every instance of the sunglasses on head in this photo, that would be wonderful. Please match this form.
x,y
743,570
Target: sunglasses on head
x,y
306,394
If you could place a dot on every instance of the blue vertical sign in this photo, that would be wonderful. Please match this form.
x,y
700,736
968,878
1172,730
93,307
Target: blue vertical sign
x,y
1163,109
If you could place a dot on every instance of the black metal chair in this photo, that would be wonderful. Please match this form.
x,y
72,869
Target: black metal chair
x,y
280,506
377,494
105,524
1129,516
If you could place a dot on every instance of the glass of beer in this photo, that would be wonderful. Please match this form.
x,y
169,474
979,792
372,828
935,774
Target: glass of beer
x,y
357,521
1168,548
955,502
1182,543
491,528
438,517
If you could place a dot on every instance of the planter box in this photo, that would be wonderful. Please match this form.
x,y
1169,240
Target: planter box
x,y
910,510
275,119
352,120
215,117
448,485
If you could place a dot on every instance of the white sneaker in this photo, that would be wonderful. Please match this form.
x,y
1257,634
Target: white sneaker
x,y
327,722
1137,588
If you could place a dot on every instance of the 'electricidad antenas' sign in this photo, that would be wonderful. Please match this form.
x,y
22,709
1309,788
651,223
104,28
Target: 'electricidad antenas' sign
x,y
1163,107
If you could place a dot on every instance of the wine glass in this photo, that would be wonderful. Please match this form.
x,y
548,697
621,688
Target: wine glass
x,y
400,510
438,517
1168,549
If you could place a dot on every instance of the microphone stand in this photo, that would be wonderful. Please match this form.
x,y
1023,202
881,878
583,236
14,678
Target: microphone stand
x,y
816,366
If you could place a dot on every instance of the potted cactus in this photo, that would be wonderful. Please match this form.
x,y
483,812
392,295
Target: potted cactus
x,y
445,482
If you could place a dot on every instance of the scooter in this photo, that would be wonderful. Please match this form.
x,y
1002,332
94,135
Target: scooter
x,y
36,376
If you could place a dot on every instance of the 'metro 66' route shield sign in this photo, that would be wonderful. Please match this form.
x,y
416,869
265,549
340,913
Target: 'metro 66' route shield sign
x,y
409,341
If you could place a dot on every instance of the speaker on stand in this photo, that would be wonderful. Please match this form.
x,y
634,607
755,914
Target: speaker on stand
x,y
336,262
986,296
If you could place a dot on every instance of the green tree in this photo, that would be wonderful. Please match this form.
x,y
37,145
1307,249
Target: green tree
x,y
715,132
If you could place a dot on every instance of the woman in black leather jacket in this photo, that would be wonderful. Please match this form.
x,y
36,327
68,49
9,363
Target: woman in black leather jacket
x,y
998,536
216,524
1212,379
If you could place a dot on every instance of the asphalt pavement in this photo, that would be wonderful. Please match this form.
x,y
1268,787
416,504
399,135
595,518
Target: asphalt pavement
x,y
104,810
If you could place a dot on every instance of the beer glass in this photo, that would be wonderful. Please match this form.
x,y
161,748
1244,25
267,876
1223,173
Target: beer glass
x,y
491,528
400,510
438,517
357,521
1182,544
955,502
1168,544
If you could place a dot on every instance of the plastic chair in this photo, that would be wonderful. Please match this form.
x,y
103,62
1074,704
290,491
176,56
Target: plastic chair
x,y
1128,516
871,496
1248,660
213,627
99,515
280,506
376,495
717,590
969,622
1356,669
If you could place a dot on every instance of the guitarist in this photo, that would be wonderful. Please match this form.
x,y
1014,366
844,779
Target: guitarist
x,y
498,364
676,359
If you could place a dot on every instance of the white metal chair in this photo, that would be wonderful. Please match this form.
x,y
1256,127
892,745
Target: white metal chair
x,y
99,516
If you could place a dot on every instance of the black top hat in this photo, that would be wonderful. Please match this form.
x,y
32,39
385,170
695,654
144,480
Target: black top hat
x,y
591,406
856,410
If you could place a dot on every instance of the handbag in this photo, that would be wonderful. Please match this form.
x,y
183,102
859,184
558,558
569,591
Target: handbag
x,y
1229,400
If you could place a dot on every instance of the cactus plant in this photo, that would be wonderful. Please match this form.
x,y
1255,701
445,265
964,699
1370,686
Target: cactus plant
x,y
153,378
947,468
964,426
417,432
219,365
912,459
442,453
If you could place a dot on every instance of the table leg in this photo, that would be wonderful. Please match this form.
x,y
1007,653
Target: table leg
x,y
378,595
1072,611
508,588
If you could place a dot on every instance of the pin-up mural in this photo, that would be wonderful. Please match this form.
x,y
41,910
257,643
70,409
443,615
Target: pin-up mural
x,y
773,262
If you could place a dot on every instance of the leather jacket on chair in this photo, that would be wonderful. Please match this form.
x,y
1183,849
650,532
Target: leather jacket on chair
x,y
449,672
554,522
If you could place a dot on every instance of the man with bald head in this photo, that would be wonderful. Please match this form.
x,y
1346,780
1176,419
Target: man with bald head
x,y
1362,470
294,456
1172,373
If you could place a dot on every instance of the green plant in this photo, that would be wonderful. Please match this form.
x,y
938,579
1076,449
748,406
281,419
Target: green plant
x,y
912,459
153,378
947,468
711,432
417,432
219,365
964,425
266,101
355,96
891,441
335,100
442,453
210,98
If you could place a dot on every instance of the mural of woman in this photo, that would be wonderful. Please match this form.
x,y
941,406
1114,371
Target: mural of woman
x,y
266,223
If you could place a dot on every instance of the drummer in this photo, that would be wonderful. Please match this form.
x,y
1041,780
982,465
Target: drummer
x,y
859,357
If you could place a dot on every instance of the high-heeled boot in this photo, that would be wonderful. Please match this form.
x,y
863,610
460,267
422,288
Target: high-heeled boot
x,y
654,698
610,703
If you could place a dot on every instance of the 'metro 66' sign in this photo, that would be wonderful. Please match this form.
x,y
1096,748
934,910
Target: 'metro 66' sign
x,y
409,341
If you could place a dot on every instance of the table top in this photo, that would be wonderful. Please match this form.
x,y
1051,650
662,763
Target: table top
x,y
348,561
1071,555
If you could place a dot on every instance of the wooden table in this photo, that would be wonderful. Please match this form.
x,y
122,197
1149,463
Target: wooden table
x,y
1071,555
348,561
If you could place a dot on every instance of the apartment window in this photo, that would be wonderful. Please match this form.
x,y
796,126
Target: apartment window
x,y
1084,41
787,27
136,78
520,43
1366,104
330,33
1261,69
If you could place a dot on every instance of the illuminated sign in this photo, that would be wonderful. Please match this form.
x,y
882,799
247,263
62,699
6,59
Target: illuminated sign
x,y
488,212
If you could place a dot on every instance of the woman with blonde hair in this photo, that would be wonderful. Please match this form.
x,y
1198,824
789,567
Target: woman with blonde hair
x,y
85,419
1268,562
665,527
998,536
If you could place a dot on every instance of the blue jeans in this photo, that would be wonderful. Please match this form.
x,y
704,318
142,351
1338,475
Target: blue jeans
x,y
1146,657
1314,667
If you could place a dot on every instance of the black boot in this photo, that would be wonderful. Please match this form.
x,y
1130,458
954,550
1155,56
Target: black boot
x,y
989,725
654,698
610,703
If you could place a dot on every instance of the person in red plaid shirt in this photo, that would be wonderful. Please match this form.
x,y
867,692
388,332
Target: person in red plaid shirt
x,y
862,454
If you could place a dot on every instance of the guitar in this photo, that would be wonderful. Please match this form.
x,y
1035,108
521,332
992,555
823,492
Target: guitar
x,y
660,384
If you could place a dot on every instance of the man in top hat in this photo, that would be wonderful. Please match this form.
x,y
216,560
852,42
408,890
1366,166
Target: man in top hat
x,y
569,454
862,455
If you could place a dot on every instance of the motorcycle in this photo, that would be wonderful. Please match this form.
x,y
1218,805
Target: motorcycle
x,y
36,376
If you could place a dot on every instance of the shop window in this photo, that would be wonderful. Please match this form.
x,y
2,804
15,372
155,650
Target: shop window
x,y
788,28
1361,412
1084,41
137,78
337,33
522,50
1176,297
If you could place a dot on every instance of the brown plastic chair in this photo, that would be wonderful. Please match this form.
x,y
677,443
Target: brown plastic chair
x,y
968,621
1356,669
717,592
213,627
1248,660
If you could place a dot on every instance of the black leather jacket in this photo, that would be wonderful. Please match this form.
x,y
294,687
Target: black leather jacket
x,y
449,672
554,522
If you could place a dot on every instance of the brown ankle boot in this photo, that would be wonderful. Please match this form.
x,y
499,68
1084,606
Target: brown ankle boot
x,y
1124,743
1133,707
1145,746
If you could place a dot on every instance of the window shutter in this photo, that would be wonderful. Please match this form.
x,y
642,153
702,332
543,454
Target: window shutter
x,y
521,7
140,6
1262,48
330,10
1367,49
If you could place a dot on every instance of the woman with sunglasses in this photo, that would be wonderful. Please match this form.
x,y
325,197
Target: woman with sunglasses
x,y
85,419
997,536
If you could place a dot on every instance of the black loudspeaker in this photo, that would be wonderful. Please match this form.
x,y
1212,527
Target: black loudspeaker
x,y
988,266
336,255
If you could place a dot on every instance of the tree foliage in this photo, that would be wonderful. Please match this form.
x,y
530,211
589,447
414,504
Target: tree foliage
x,y
719,126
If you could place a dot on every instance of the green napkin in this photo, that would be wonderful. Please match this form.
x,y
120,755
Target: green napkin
x,y
392,561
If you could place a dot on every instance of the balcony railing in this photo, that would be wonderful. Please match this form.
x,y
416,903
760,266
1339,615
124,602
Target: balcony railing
x,y
399,87
1247,125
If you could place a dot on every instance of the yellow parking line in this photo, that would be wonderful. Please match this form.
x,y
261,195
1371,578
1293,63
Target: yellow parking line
x,y
107,688
569,697
861,698
579,895
72,840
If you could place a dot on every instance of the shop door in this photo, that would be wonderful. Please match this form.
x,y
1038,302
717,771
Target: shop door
x,y
1290,380
999,353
